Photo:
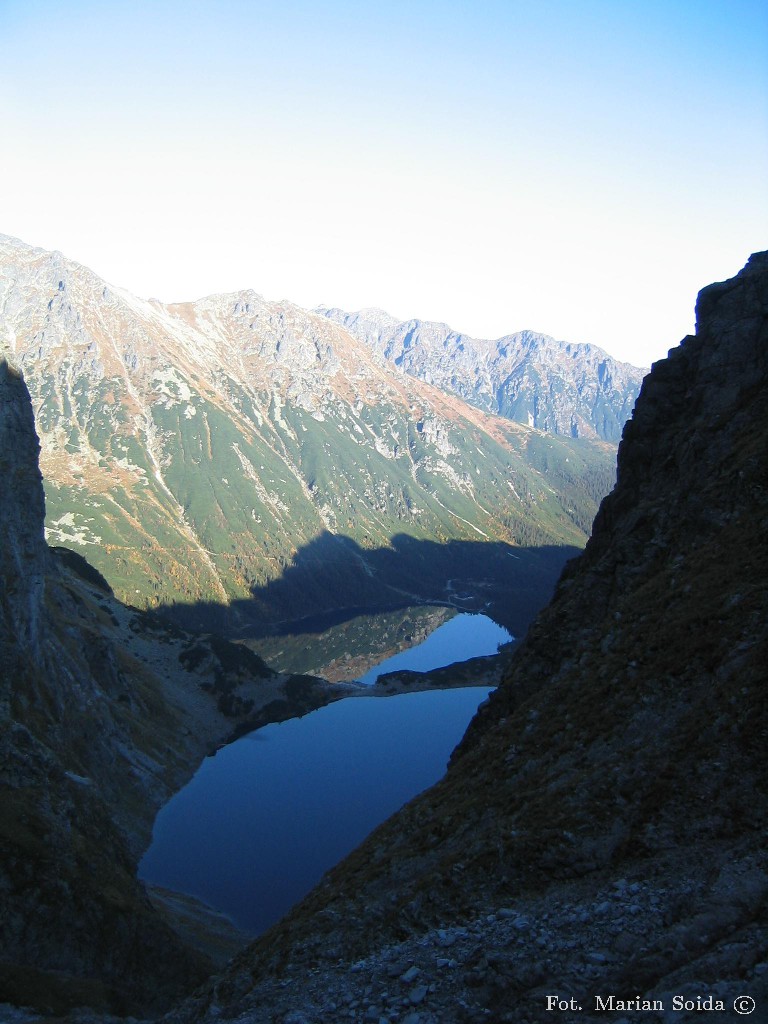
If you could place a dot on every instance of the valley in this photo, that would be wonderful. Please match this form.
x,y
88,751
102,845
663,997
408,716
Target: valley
x,y
228,468
601,826
604,809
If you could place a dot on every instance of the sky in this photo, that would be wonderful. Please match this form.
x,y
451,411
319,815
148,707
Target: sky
x,y
576,167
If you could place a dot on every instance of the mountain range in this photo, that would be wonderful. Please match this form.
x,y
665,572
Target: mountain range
x,y
574,390
242,463
600,831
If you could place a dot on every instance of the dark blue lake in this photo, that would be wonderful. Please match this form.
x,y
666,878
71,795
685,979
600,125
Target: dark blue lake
x,y
261,822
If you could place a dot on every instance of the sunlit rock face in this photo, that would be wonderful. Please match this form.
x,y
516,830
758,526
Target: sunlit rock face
x,y
528,377
601,828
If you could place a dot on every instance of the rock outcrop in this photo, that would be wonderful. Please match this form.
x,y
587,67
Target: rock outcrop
x,y
24,556
601,829
563,388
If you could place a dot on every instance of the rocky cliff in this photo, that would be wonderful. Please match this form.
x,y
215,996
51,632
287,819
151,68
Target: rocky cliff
x,y
601,829
573,390
23,555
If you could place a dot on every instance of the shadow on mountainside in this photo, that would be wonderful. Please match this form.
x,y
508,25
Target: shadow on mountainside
x,y
332,579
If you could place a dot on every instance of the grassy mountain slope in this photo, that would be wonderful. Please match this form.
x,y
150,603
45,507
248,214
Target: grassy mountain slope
x,y
192,451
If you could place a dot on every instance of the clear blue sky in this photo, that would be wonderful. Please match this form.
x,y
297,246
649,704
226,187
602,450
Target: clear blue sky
x,y
579,168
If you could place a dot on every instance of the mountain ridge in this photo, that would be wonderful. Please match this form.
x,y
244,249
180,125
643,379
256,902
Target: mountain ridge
x,y
527,377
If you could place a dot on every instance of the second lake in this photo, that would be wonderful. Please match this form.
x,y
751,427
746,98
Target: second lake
x,y
466,635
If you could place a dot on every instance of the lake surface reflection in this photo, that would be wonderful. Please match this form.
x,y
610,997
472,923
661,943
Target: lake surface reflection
x,y
352,648
263,819
464,636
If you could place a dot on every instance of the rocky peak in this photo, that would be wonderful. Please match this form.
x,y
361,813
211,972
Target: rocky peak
x,y
528,377
677,460
691,479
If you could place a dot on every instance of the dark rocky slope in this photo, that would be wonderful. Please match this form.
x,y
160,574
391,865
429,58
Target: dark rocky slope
x,y
79,769
601,829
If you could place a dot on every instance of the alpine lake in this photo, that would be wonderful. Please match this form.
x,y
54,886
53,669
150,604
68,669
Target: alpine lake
x,y
264,818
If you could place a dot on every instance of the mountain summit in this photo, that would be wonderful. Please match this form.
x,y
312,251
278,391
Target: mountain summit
x,y
575,390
